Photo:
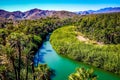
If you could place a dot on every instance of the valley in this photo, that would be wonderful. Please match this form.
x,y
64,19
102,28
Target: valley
x,y
48,45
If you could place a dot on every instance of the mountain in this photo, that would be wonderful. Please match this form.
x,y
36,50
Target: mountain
x,y
35,14
108,10
103,10
38,13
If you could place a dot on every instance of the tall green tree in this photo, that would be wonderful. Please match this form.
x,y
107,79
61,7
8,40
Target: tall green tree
x,y
18,41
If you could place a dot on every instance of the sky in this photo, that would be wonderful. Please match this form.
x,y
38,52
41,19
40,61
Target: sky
x,y
69,5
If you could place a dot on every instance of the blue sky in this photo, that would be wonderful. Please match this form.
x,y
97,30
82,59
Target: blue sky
x,y
70,5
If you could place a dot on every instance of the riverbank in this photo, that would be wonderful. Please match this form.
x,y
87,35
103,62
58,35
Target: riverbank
x,y
64,66
106,57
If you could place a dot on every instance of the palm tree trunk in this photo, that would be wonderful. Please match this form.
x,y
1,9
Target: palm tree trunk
x,y
15,71
2,76
26,68
33,71
19,53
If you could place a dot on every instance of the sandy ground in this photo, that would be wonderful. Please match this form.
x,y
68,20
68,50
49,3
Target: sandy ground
x,y
81,38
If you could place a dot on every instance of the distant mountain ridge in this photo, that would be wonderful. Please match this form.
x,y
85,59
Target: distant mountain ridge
x,y
38,13
103,10
35,14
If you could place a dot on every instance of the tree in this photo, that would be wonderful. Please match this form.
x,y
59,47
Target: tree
x,y
9,51
3,35
17,41
42,72
28,52
82,74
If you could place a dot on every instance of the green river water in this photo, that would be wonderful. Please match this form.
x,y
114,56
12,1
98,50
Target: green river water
x,y
64,66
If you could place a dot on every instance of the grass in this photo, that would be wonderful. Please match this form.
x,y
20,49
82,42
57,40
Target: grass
x,y
64,40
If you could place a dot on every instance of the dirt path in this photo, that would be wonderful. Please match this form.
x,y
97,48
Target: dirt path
x,y
81,38
86,40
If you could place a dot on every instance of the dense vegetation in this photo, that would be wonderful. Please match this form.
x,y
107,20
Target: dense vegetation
x,y
82,74
101,27
19,40
64,41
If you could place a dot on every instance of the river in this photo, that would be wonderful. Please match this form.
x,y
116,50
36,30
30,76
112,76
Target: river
x,y
62,66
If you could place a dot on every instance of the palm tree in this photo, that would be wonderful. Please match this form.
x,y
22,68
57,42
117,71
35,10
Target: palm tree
x,y
42,72
28,52
18,42
3,34
9,51
82,74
